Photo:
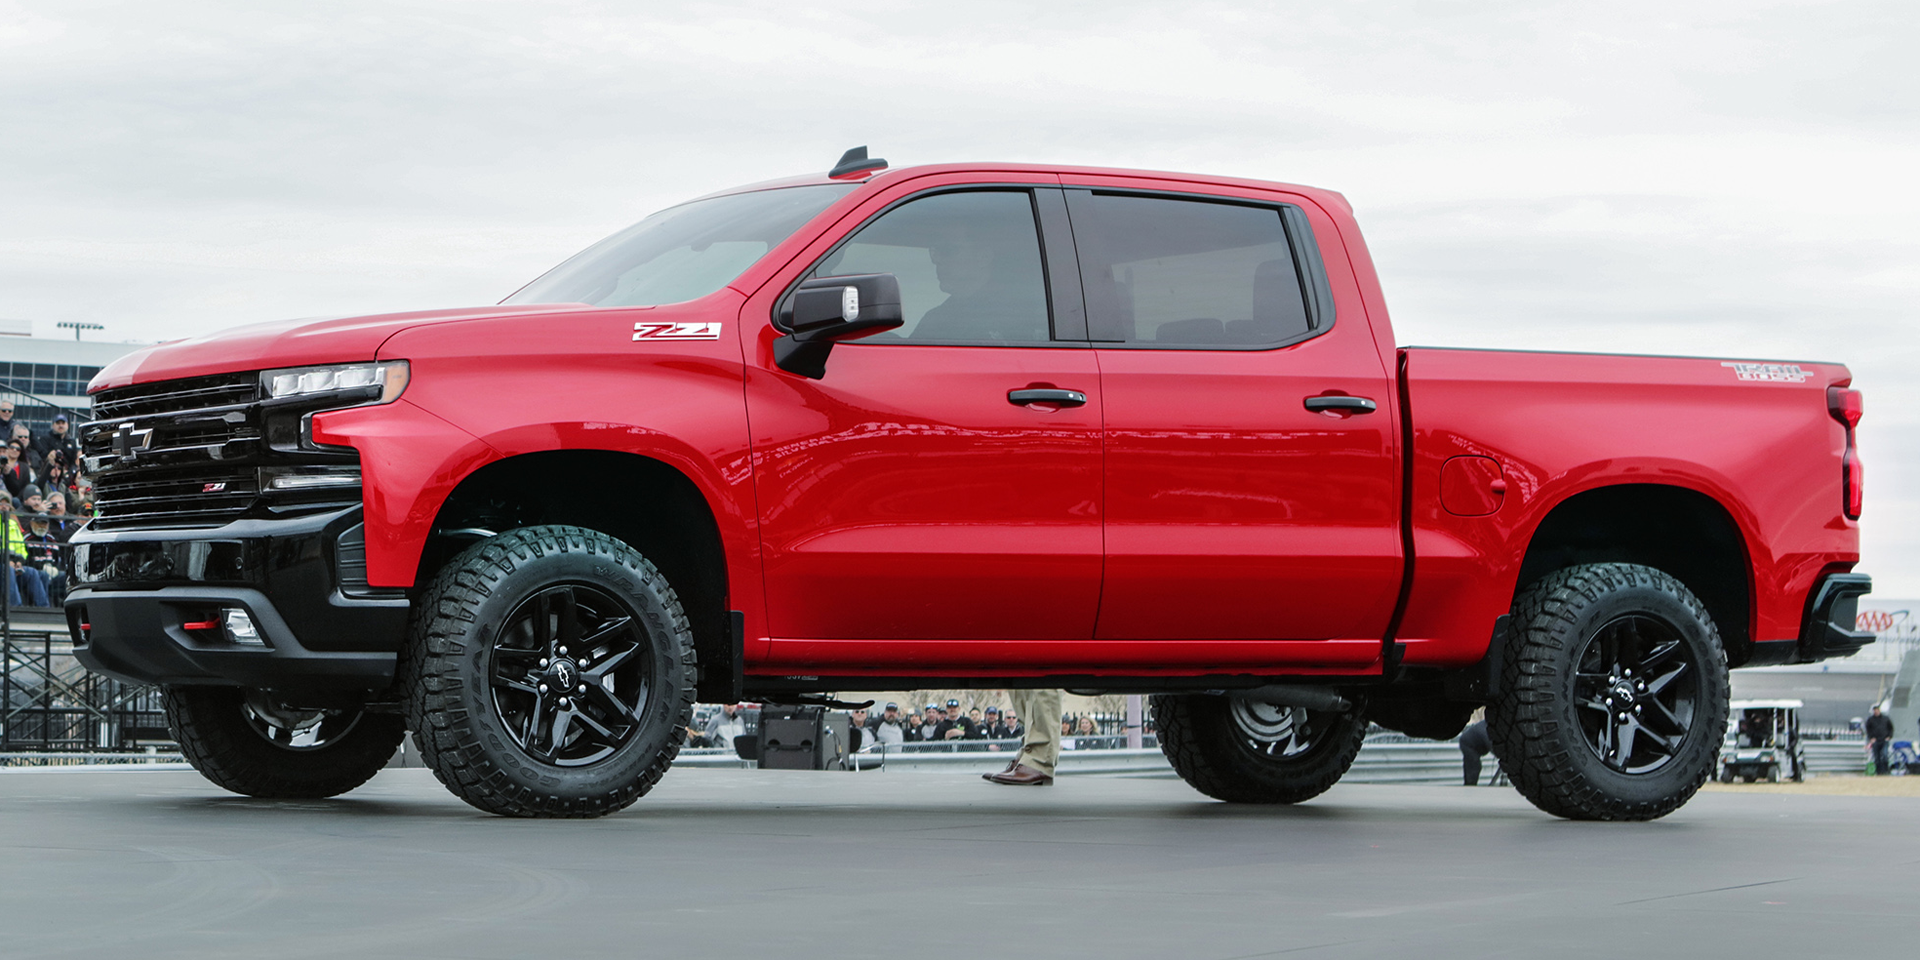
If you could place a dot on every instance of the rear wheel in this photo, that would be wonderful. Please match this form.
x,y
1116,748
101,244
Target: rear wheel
x,y
1614,699
549,674
252,743
1245,751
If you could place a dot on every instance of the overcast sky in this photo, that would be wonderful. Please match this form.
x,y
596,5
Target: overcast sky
x,y
1711,178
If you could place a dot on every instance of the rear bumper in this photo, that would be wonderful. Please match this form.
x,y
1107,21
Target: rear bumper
x,y
1827,629
138,590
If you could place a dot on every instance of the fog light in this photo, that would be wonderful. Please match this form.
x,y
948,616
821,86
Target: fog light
x,y
240,629
313,481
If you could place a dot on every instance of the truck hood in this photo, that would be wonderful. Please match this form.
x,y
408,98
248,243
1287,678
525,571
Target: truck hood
x,y
289,343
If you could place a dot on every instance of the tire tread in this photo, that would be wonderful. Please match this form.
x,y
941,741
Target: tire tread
x,y
1196,736
228,752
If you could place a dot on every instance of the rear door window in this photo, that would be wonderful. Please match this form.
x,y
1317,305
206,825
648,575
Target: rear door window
x,y
1191,274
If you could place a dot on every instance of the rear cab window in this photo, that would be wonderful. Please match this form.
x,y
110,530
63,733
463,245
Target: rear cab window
x,y
1184,272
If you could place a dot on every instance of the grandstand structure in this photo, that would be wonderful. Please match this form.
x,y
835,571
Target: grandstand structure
x,y
49,703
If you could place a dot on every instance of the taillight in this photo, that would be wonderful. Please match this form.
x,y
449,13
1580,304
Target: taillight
x,y
1846,406
1852,474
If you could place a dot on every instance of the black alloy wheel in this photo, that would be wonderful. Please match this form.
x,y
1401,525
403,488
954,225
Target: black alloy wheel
x,y
1276,731
568,678
296,728
1637,687
549,672
1249,751
1613,694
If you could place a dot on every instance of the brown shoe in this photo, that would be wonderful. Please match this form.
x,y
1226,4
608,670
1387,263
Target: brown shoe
x,y
1020,775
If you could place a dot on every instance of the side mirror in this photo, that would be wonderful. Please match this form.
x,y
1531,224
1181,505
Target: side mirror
x,y
827,310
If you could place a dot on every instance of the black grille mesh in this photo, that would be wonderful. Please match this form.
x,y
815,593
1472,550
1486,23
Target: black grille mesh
x,y
179,475
174,396
206,494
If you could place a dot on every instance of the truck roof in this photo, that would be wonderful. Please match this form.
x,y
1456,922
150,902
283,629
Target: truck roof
x,y
895,175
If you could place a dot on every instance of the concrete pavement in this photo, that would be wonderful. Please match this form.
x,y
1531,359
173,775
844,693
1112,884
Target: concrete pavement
x,y
747,863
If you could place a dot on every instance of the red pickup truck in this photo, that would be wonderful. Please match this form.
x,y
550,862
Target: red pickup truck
x,y
989,425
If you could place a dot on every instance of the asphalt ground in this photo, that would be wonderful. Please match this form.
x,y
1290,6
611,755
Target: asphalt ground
x,y
746,863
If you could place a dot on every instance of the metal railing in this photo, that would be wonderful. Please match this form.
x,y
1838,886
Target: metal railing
x,y
1384,758
52,709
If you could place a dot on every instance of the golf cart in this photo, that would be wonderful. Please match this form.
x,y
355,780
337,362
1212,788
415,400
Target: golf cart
x,y
1763,742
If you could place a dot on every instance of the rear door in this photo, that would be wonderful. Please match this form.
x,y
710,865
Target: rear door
x,y
916,503
1235,509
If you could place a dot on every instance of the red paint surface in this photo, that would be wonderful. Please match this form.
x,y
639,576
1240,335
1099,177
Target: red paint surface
x,y
901,516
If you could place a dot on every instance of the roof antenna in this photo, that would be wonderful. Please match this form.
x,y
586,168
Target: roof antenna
x,y
853,163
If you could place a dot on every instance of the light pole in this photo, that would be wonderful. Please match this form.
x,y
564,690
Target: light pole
x,y
78,325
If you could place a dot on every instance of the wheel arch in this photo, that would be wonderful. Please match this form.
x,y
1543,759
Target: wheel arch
x,y
1680,530
641,501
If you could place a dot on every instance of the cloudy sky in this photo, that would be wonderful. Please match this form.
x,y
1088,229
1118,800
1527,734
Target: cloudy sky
x,y
1670,177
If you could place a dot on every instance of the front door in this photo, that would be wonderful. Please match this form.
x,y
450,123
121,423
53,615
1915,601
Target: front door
x,y
1234,511
916,495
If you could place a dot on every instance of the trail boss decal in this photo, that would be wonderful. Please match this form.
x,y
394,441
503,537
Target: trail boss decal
x,y
676,331
1771,372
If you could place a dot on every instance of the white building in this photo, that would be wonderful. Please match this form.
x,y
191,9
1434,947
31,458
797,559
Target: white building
x,y
42,374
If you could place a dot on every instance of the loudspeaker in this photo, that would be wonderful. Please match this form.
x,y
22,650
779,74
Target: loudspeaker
x,y
803,738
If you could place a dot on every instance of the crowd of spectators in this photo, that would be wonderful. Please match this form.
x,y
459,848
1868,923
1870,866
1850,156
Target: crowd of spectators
x,y
47,497
965,727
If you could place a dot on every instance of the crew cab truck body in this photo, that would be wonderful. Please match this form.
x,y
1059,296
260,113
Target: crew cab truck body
x,y
988,425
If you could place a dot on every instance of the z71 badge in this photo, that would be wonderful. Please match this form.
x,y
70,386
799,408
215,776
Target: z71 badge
x,y
676,331
1771,372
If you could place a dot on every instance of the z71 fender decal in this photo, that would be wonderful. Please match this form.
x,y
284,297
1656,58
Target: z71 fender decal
x,y
676,331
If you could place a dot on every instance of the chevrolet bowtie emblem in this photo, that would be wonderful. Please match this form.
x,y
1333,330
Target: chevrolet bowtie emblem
x,y
127,442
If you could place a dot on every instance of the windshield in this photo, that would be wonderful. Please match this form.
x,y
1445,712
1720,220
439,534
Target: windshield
x,y
682,252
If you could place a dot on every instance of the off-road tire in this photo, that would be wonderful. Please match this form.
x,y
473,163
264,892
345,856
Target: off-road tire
x,y
445,674
215,736
1208,749
1535,731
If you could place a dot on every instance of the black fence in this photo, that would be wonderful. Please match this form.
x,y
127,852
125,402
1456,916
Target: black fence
x,y
49,703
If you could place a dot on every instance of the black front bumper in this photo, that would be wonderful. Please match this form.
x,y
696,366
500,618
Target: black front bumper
x,y
324,631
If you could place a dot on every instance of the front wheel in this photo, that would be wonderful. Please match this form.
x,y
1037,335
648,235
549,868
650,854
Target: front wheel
x,y
250,742
1246,751
1614,700
549,673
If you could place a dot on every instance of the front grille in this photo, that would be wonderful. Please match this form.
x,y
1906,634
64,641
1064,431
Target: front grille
x,y
174,396
209,494
198,451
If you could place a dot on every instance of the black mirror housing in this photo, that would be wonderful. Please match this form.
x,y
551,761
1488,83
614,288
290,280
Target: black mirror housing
x,y
827,310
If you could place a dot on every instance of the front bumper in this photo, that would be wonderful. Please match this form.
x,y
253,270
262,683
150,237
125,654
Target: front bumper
x,y
300,580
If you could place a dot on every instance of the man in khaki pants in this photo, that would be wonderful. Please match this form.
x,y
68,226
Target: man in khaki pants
x,y
1040,750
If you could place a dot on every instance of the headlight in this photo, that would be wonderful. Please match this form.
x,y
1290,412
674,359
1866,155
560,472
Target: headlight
x,y
370,382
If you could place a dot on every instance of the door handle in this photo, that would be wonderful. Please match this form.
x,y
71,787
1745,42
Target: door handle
x,y
1065,398
1348,404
